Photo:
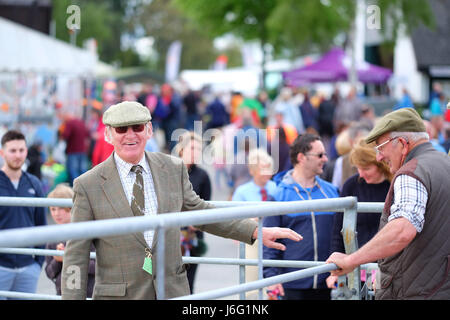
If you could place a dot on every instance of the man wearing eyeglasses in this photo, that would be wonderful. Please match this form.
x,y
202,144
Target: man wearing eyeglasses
x,y
412,245
132,182
308,157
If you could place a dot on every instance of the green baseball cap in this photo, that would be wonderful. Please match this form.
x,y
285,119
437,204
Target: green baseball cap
x,y
126,113
402,120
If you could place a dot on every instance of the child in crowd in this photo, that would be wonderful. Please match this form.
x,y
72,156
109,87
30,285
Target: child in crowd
x,y
54,264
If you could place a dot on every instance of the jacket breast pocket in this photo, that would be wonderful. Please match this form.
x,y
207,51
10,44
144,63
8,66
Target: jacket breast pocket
x,y
109,290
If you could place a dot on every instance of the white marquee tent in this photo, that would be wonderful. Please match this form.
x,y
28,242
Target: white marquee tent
x,y
26,50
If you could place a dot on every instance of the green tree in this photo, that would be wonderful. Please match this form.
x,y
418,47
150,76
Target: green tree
x,y
293,27
101,20
305,26
165,23
407,13
244,18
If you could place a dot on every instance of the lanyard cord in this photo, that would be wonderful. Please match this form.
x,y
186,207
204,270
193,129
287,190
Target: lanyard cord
x,y
308,193
313,222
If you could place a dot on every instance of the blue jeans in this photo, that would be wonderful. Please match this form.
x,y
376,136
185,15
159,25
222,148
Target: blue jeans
x,y
23,279
76,165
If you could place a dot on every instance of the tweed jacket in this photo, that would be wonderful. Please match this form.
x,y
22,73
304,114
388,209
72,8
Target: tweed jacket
x,y
119,275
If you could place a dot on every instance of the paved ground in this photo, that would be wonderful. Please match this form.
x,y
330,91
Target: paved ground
x,y
208,276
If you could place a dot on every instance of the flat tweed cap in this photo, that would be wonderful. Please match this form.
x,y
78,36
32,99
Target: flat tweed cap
x,y
126,113
402,120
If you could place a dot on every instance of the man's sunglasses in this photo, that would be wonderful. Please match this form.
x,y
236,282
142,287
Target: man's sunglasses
x,y
135,128
319,155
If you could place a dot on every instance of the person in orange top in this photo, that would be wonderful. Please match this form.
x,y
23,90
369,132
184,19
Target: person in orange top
x,y
289,130
236,101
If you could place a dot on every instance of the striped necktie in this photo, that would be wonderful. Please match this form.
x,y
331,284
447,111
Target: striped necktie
x,y
138,200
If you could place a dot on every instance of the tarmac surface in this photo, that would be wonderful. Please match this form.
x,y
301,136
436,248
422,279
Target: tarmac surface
x,y
208,276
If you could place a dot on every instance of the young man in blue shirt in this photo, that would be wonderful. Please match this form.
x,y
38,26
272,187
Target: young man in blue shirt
x,y
308,157
18,272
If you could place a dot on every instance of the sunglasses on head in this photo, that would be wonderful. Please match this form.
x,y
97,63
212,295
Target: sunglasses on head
x,y
135,128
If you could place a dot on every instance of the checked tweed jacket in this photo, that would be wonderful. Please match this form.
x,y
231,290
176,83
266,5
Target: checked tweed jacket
x,y
119,274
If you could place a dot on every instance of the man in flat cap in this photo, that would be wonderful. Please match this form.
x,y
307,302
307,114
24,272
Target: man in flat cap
x,y
412,245
132,182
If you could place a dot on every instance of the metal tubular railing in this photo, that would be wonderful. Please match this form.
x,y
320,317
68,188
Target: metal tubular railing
x,y
224,211
351,245
197,260
67,203
35,202
260,283
28,296
37,252
191,260
23,237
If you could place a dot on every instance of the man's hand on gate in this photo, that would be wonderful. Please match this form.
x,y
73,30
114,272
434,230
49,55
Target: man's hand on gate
x,y
343,262
270,235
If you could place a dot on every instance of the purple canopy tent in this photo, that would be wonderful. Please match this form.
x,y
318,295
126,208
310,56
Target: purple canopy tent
x,y
334,66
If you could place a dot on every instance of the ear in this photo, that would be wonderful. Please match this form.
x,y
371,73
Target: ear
x,y
404,143
300,157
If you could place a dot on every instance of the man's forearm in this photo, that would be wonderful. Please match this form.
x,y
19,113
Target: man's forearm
x,y
390,240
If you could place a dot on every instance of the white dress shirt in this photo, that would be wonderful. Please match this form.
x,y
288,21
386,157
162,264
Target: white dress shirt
x,y
127,177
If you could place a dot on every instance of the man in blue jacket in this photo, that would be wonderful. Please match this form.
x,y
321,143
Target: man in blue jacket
x,y
18,272
308,157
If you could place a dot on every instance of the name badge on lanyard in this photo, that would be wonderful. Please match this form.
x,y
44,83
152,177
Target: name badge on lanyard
x,y
148,264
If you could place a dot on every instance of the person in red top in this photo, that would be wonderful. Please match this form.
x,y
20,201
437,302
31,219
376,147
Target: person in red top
x,y
76,136
102,149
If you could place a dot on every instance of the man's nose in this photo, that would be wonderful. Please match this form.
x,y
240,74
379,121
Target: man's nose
x,y
379,156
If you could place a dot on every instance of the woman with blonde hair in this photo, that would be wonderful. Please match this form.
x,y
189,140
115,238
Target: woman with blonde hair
x,y
370,184
189,148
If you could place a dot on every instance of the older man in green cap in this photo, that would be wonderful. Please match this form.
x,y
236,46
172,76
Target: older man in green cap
x,y
132,182
412,246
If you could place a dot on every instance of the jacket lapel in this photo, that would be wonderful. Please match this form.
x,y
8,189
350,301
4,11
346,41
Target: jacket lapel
x,y
160,178
113,189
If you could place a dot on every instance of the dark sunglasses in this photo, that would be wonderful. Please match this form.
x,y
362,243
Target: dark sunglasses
x,y
319,155
135,128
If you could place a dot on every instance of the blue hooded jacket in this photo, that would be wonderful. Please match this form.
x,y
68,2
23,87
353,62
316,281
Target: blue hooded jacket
x,y
21,217
315,228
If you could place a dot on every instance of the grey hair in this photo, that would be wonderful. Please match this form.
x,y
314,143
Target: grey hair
x,y
107,134
260,155
410,136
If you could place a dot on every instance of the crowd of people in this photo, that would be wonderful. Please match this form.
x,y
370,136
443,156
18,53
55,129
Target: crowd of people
x,y
300,146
